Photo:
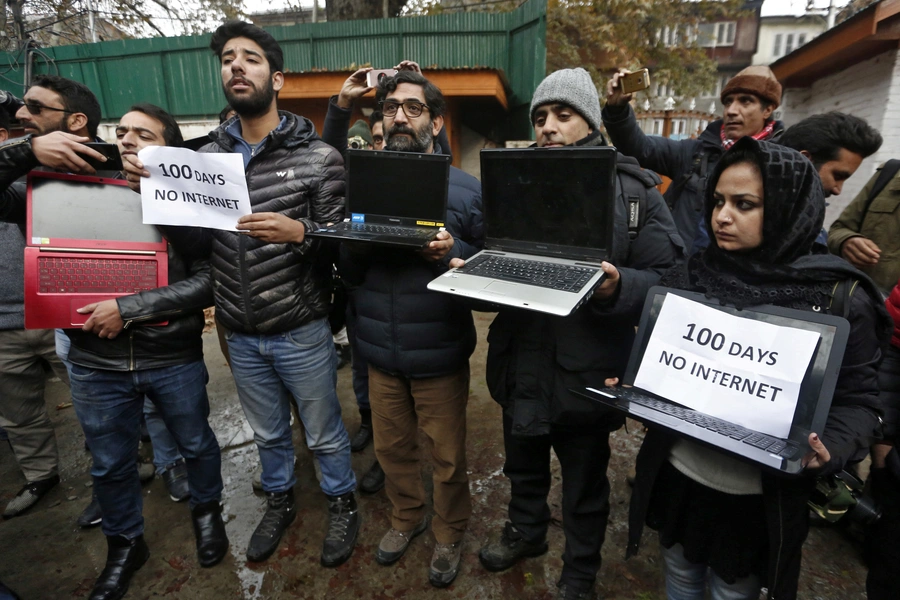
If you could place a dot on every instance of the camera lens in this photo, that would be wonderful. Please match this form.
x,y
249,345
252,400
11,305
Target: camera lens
x,y
866,511
355,145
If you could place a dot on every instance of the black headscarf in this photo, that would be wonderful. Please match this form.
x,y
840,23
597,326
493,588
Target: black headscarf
x,y
780,270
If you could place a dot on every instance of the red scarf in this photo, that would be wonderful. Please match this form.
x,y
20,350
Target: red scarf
x,y
761,136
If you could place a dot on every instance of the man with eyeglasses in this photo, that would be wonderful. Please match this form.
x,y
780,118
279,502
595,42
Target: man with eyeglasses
x,y
417,344
58,114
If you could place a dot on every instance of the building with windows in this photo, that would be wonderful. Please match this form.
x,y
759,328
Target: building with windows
x,y
781,35
732,44
853,68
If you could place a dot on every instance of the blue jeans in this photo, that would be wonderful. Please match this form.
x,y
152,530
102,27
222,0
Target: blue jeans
x,y
109,406
165,449
271,369
687,581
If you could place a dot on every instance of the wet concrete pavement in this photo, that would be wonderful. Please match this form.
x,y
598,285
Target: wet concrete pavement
x,y
45,555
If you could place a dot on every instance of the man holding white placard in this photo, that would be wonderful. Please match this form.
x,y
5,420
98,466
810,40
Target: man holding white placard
x,y
273,285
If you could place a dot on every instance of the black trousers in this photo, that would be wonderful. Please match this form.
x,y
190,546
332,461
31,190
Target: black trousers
x,y
583,455
883,538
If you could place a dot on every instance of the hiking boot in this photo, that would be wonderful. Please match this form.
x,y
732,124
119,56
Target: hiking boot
x,y
123,558
176,479
509,550
343,527
28,496
362,437
280,513
444,564
373,480
394,544
569,591
91,516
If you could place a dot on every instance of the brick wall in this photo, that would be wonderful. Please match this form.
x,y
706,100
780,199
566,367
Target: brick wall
x,y
870,90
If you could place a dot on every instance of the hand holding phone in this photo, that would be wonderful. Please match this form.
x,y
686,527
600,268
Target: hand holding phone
x,y
110,151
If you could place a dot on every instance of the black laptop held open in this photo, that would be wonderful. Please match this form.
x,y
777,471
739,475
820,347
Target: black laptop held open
x,y
393,198
549,215
814,402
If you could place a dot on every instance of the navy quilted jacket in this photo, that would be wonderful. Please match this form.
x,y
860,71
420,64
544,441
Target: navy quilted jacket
x,y
402,327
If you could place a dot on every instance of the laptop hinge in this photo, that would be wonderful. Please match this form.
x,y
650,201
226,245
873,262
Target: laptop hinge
x,y
96,251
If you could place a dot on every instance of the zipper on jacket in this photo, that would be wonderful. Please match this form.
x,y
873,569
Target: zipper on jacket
x,y
131,350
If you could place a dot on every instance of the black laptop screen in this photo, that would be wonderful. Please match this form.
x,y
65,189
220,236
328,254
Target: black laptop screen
x,y
88,211
399,187
549,199
808,403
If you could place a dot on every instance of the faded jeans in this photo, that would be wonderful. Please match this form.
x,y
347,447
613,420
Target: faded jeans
x,y
271,370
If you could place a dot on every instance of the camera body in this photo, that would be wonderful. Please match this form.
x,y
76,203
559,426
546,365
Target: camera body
x,y
373,78
842,494
358,143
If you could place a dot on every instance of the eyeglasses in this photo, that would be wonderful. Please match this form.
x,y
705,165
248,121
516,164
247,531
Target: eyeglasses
x,y
35,108
411,108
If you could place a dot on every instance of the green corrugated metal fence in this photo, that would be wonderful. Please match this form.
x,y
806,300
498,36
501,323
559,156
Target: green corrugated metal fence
x,y
181,74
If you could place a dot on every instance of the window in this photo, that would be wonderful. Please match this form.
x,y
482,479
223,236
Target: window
x,y
789,43
657,126
706,35
801,39
777,50
725,33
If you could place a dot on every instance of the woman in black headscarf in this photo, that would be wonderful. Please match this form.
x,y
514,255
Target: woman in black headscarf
x,y
722,522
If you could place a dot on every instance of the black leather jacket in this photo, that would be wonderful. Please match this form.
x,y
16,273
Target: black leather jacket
x,y
139,346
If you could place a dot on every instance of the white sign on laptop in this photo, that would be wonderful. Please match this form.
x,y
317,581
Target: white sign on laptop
x,y
193,188
742,371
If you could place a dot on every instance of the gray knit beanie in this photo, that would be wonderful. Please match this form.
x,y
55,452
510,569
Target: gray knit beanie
x,y
573,87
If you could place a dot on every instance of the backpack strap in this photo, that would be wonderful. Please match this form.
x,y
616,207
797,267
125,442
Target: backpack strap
x,y
840,297
888,171
634,192
699,167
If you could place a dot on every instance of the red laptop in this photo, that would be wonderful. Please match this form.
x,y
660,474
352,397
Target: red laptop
x,y
86,242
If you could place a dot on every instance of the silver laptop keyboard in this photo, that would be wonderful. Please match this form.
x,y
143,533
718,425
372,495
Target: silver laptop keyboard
x,y
410,232
773,445
566,278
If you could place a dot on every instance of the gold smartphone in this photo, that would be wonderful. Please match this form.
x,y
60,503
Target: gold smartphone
x,y
635,82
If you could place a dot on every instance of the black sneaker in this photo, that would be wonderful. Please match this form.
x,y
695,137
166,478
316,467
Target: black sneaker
x,y
91,516
176,479
569,591
28,496
279,515
509,550
343,527
362,437
373,480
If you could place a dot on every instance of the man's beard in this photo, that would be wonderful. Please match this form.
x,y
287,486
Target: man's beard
x,y
419,141
253,105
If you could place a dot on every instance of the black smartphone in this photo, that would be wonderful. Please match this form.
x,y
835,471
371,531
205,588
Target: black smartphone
x,y
110,151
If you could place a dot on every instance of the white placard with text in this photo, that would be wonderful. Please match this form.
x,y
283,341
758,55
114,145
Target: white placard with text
x,y
742,370
193,188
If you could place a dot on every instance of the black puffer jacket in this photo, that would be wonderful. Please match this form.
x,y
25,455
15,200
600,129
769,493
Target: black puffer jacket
x,y
534,360
675,160
402,327
181,303
270,288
